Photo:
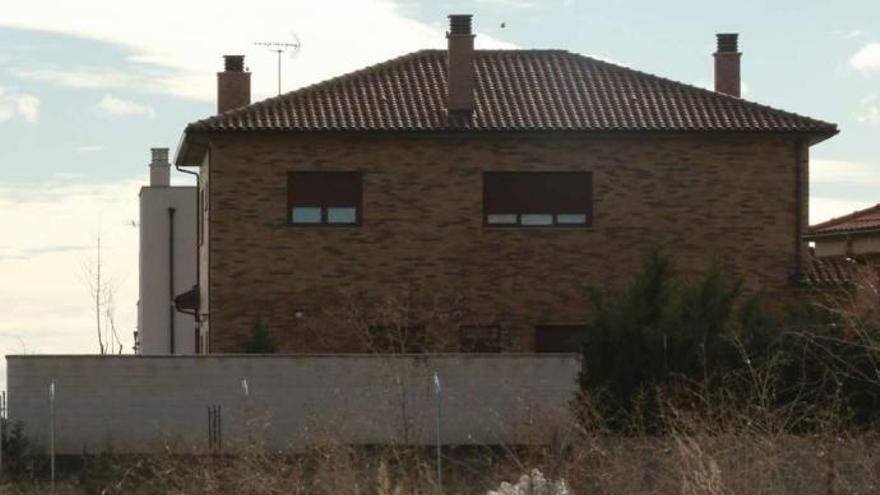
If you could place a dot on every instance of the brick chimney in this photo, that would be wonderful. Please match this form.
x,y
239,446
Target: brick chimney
x,y
727,58
233,84
160,169
460,69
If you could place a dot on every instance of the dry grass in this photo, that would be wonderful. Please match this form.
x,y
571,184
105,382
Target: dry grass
x,y
694,458
723,446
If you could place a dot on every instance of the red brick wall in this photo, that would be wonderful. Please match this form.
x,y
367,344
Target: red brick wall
x,y
703,196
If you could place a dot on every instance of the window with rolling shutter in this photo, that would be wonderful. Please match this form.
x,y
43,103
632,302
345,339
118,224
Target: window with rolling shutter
x,y
324,198
538,199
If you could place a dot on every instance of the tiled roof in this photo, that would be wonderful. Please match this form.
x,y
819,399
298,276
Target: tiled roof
x,y
828,272
516,90
857,221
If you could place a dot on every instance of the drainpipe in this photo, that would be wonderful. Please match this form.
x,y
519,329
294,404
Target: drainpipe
x,y
197,315
798,206
171,279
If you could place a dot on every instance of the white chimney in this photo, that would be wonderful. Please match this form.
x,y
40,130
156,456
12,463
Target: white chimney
x,y
160,169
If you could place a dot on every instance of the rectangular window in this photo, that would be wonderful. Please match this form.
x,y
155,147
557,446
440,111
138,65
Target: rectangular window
x,y
538,199
559,338
474,338
324,198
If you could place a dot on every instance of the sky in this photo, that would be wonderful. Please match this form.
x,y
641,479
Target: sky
x,y
87,87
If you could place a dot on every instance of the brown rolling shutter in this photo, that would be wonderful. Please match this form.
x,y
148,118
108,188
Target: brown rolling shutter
x,y
326,189
538,192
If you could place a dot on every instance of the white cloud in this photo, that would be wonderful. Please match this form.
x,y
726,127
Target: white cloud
x,y
867,59
49,235
855,33
79,78
89,149
825,172
517,4
118,106
869,111
180,54
14,104
29,107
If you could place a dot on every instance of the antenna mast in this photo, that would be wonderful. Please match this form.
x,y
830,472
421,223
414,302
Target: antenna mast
x,y
279,48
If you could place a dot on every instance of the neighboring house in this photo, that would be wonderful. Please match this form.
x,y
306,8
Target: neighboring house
x,y
856,235
167,261
842,245
489,188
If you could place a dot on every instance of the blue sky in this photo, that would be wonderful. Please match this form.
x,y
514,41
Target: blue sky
x,y
87,87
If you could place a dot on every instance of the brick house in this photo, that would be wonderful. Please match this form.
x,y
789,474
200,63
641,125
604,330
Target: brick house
x,y
841,248
855,235
466,198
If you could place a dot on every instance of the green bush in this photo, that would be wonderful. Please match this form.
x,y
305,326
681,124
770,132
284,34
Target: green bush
x,y
260,341
667,340
17,462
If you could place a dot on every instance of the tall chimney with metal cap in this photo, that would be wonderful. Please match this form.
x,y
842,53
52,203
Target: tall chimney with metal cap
x,y
160,169
727,59
233,84
460,69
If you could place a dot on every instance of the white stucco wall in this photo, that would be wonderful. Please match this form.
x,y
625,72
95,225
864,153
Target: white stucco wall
x,y
140,403
861,244
155,308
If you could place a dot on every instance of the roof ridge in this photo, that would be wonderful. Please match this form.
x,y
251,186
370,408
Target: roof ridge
x,y
705,91
849,216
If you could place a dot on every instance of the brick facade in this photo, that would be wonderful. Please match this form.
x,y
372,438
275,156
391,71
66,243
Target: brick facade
x,y
423,253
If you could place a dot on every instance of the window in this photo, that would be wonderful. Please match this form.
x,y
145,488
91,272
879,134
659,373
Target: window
x,y
538,199
559,338
324,198
474,338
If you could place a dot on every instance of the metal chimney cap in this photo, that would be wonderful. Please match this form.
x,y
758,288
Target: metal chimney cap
x,y
233,63
159,155
460,24
727,42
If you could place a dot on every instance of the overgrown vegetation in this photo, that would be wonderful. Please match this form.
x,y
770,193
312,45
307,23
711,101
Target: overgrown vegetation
x,y
688,388
665,340
260,340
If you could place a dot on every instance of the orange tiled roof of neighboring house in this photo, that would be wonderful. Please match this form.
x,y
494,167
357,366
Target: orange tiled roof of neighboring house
x,y
857,221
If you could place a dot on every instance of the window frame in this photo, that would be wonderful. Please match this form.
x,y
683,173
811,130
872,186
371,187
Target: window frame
x,y
324,223
555,223
494,345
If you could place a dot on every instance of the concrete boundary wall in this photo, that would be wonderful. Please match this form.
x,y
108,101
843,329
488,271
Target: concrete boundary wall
x,y
140,404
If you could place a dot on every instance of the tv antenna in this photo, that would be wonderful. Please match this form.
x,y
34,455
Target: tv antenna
x,y
280,47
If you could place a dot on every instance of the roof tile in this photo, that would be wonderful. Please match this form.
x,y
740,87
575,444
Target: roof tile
x,y
857,221
516,90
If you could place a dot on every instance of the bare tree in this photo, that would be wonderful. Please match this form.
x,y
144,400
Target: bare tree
x,y
101,293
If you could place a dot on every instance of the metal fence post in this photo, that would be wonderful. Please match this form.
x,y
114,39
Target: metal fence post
x,y
52,432
2,429
439,458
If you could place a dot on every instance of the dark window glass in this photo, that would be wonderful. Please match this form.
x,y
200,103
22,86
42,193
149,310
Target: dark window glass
x,y
538,199
559,338
473,338
317,198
